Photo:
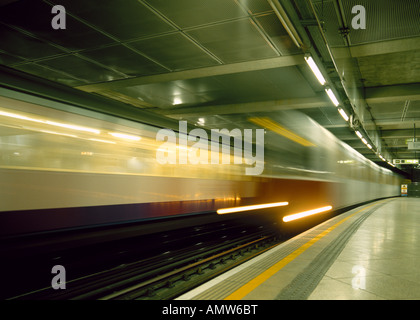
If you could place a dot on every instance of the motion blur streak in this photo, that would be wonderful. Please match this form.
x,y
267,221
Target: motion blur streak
x,y
252,207
303,214
277,128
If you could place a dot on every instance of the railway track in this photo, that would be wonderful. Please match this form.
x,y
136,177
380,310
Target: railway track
x,y
182,261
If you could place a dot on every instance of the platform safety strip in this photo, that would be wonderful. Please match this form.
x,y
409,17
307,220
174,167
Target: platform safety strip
x,y
302,286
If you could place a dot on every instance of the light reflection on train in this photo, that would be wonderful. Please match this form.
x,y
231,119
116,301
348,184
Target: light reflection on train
x,y
64,170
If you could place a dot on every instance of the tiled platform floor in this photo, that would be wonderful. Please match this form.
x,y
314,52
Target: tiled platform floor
x,y
380,260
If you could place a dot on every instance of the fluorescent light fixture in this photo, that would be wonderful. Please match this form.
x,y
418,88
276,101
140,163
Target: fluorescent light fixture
x,y
177,101
310,61
359,134
364,141
332,97
252,207
124,136
369,146
343,114
304,214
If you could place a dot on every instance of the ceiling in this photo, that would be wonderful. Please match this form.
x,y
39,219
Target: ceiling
x,y
219,62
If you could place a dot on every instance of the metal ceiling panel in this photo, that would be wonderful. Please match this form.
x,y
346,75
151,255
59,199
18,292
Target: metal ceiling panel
x,y
176,93
263,85
82,69
76,36
256,6
413,111
124,60
18,44
278,35
400,111
234,41
163,95
49,74
125,20
327,13
191,13
325,116
8,59
387,110
175,51
385,19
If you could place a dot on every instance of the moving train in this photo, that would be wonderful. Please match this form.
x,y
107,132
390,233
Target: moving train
x,y
65,169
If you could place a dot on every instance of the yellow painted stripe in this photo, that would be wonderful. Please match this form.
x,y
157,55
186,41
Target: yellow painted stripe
x,y
254,283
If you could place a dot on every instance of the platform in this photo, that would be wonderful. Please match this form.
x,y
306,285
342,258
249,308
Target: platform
x,y
368,253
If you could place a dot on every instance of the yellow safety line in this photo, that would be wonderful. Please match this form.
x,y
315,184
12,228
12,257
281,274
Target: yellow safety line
x,y
254,283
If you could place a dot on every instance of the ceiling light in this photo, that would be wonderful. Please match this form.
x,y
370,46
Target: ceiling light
x,y
359,134
177,101
364,141
343,114
369,146
310,61
332,97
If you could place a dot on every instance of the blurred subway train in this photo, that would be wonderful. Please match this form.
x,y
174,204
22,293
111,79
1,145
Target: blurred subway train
x,y
66,169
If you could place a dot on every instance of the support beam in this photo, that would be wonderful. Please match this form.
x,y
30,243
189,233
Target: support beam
x,y
394,124
393,93
378,48
278,62
321,100
385,47
397,134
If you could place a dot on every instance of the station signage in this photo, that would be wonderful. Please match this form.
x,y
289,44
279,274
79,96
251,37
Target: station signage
x,y
406,161
404,190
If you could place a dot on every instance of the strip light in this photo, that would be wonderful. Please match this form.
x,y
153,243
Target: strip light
x,y
310,61
343,114
304,214
252,207
332,97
